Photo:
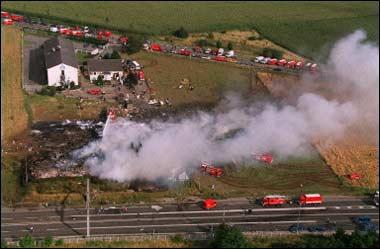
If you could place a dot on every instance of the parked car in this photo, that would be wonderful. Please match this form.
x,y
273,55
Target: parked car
x,y
297,228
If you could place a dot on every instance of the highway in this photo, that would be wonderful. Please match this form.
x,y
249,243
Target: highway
x,y
192,218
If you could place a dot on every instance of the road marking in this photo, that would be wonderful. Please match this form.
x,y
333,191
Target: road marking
x,y
52,229
4,231
349,207
337,207
6,218
198,224
361,207
188,218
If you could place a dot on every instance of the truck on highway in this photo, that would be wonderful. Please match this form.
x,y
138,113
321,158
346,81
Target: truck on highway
x,y
209,204
273,201
310,200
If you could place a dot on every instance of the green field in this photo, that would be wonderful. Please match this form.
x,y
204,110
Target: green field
x,y
303,27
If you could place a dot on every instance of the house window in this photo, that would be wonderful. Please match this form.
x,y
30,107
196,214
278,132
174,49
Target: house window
x,y
62,72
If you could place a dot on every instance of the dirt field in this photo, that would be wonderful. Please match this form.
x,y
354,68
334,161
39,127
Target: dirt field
x,y
14,119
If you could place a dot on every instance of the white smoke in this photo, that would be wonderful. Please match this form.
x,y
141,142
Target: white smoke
x,y
286,130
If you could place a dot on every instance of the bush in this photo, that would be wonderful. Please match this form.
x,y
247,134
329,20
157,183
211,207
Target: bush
x,y
106,56
99,81
211,35
202,43
229,237
27,242
272,53
134,44
48,91
218,44
177,239
181,33
58,242
230,46
103,114
73,86
115,55
47,242
252,38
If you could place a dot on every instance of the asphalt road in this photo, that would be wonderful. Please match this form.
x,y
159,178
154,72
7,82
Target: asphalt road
x,y
116,220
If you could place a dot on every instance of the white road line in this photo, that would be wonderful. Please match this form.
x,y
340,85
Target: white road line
x,y
337,207
361,207
52,229
198,224
349,207
188,218
4,231
6,218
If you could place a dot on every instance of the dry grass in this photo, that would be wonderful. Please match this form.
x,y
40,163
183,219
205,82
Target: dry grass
x,y
14,118
148,243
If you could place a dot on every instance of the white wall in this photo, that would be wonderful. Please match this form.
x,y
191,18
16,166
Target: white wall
x,y
106,76
54,74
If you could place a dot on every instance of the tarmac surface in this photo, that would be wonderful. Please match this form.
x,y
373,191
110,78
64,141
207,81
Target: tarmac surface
x,y
190,217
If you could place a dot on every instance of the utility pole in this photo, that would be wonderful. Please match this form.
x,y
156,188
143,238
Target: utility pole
x,y
299,212
26,170
88,206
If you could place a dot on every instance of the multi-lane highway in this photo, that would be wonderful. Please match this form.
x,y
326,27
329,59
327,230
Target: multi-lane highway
x,y
145,219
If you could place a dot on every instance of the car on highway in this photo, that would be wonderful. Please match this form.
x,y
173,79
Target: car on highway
x,y
317,228
297,228
368,227
376,198
361,220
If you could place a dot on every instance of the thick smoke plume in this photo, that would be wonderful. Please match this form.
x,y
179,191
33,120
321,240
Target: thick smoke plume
x,y
237,130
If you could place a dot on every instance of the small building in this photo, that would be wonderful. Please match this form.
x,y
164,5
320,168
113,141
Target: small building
x,y
108,68
60,61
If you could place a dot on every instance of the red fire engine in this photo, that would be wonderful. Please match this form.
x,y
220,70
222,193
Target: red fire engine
x,y
310,199
211,170
265,158
273,201
209,204
112,114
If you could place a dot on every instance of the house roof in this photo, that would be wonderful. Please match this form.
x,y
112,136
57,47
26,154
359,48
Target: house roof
x,y
105,65
58,51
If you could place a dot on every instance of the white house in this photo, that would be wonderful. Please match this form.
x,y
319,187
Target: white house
x,y
108,68
61,63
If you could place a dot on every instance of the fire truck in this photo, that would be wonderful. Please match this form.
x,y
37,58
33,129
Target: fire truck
x,y
209,204
273,201
112,114
265,158
310,200
211,170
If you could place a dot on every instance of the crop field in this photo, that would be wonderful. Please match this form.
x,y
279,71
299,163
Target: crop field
x,y
14,119
303,27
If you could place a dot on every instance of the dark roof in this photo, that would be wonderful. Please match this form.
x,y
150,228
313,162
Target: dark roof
x,y
59,50
95,65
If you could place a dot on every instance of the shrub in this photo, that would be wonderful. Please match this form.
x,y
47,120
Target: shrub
x,y
134,44
177,239
48,90
252,38
202,43
211,35
181,33
48,241
103,114
230,46
99,81
218,44
272,53
115,55
27,242
58,242
106,56
229,237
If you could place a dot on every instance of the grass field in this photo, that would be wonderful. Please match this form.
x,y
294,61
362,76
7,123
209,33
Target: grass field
x,y
209,80
14,119
303,27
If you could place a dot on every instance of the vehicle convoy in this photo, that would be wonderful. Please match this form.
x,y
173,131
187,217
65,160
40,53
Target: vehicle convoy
x,y
310,200
273,201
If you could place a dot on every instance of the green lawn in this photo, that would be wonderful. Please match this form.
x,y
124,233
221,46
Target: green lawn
x,y
304,27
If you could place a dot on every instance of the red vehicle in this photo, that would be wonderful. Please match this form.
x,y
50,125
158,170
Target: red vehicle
x,y
107,33
100,33
273,201
112,114
272,61
123,39
220,58
185,52
265,158
299,65
17,18
99,37
77,33
63,30
209,204
211,170
291,64
141,75
281,62
156,47
5,14
7,21
94,91
310,199
314,67
355,176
